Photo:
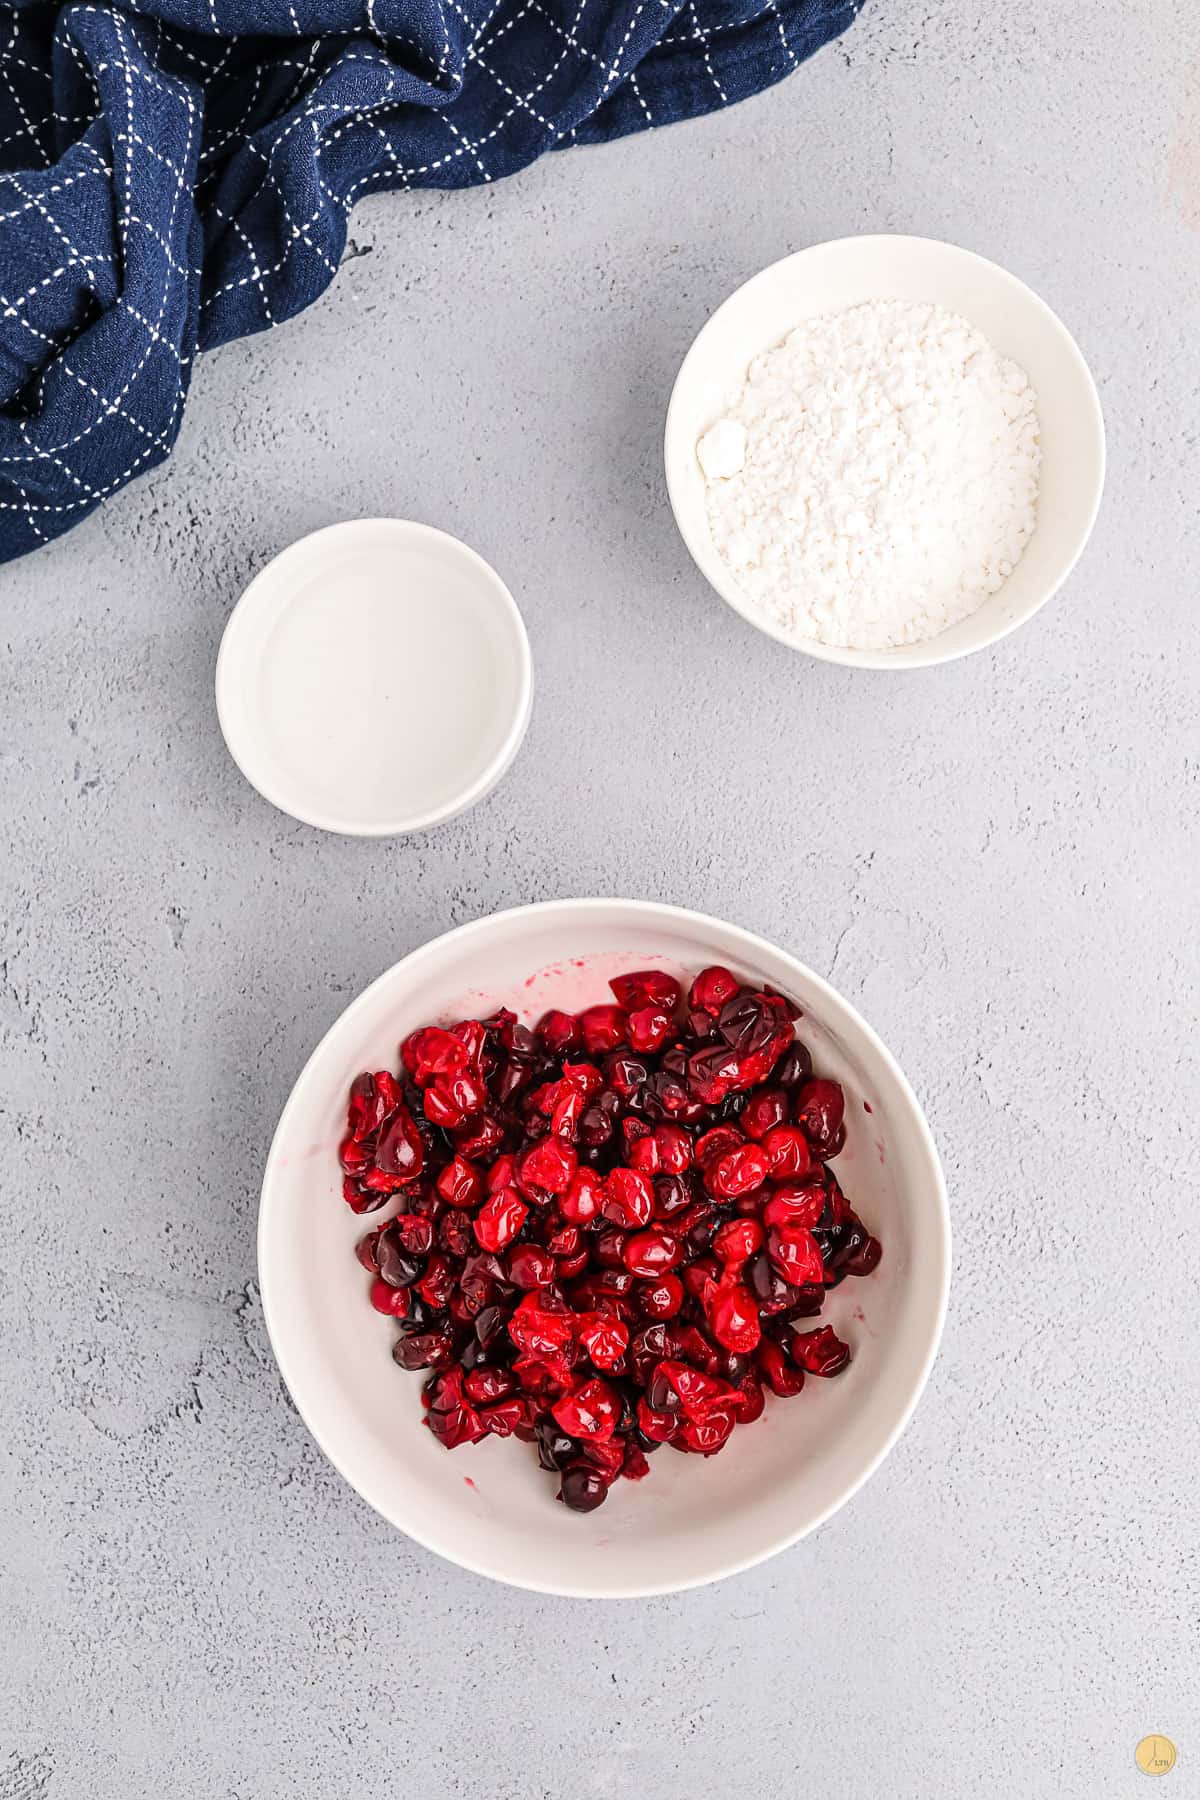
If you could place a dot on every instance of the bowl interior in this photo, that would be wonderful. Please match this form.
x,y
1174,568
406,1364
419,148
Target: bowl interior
x,y
374,678
489,1506
848,272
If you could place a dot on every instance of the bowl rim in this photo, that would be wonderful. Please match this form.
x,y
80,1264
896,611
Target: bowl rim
x,y
270,1202
232,717
923,654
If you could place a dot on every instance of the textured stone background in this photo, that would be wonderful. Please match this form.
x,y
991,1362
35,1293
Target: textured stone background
x,y
997,859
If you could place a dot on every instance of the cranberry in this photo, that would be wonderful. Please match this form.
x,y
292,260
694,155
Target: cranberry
x,y
437,1283
538,1328
737,1240
387,1299
733,1318
795,1253
712,1073
699,1277
529,1267
460,1183
820,1106
396,1266
401,1149
649,987
750,1402
545,1169
671,1195
712,988
603,1028
559,1032
780,1376
365,1252
649,1028
768,1107
747,1022
795,1203
423,1350
483,1386
738,1171
500,1219
592,1411
650,1253
643,1153
706,1436
581,1201
605,1339
794,1067
583,1489
821,1352
628,1198
787,1152
661,1298
625,1074
773,1293
865,1259
433,1051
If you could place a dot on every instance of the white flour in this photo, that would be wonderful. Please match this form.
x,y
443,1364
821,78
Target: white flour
x,y
877,476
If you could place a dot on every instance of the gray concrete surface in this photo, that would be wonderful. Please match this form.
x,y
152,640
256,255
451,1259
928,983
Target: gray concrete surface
x,y
997,860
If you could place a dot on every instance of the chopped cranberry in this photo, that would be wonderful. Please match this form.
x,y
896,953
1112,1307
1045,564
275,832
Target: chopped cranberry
x,y
648,1029
795,1253
365,1252
820,1106
651,1253
780,1376
387,1299
580,1203
787,1152
559,1032
661,1298
737,1240
529,1267
766,1108
460,1183
545,1169
423,1350
642,1190
628,1198
821,1352
592,1411
712,988
603,1028
795,1203
605,1339
644,1154
583,1489
401,1149
733,1317
738,1171
500,1219
648,987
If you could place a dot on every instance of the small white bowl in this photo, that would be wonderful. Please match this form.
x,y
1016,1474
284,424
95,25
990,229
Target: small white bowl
x,y
375,678
847,272
489,1507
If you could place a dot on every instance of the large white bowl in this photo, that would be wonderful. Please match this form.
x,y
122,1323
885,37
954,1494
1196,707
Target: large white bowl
x,y
489,1507
848,272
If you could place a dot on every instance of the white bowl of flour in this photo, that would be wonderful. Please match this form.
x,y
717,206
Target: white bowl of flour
x,y
885,451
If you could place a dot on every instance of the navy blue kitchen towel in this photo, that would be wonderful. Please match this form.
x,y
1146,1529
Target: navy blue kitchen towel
x,y
175,173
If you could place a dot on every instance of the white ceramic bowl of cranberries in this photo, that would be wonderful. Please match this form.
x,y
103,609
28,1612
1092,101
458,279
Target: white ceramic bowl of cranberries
x,y
827,278
488,1505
